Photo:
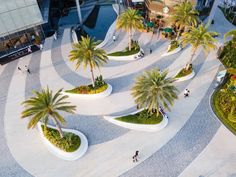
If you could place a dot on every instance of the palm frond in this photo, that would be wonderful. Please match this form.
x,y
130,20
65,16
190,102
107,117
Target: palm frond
x,y
152,89
45,104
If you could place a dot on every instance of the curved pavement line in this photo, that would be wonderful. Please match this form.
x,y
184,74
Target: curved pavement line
x,y
108,162
217,159
63,70
48,74
33,80
66,47
85,73
115,100
185,146
124,70
8,165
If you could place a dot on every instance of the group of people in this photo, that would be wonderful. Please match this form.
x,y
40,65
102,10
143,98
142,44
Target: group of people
x,y
186,93
26,69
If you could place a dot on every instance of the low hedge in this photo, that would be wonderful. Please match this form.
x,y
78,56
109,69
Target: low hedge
x,y
135,48
88,89
227,53
173,45
184,72
142,117
125,52
222,104
69,143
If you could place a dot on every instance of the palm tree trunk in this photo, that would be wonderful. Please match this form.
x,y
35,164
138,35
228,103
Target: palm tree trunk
x,y
58,127
92,75
177,37
179,31
191,59
130,39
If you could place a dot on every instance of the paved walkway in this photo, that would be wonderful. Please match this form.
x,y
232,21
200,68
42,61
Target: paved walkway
x,y
176,150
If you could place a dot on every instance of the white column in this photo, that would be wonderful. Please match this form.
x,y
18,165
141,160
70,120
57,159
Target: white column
x,y
79,12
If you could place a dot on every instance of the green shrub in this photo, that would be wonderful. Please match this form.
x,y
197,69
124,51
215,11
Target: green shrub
x,y
232,114
99,82
173,45
69,143
142,117
185,72
224,105
100,86
88,89
227,55
135,48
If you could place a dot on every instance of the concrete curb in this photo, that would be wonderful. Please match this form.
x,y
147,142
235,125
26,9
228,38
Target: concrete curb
x,y
172,52
70,156
103,94
190,76
137,127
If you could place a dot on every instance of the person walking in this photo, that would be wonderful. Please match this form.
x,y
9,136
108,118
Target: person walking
x,y
55,35
41,46
29,49
114,38
135,157
150,50
142,52
161,110
27,69
186,93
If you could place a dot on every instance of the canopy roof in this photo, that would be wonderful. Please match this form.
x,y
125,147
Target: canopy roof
x,y
17,15
150,24
137,1
168,30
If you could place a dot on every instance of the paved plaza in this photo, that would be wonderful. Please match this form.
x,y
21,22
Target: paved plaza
x,y
194,144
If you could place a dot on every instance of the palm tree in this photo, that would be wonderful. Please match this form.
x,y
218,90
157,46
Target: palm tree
x,y
129,20
86,53
184,15
153,89
231,33
197,37
45,105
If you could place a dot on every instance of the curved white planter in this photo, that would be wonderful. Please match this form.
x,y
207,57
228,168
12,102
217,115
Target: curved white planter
x,y
70,156
125,58
103,94
190,76
172,52
138,127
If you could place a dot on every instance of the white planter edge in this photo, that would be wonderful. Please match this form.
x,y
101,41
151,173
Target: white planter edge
x,y
138,127
125,58
69,156
190,76
103,94
172,52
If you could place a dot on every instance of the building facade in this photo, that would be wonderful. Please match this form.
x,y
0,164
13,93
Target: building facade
x,y
20,27
165,7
